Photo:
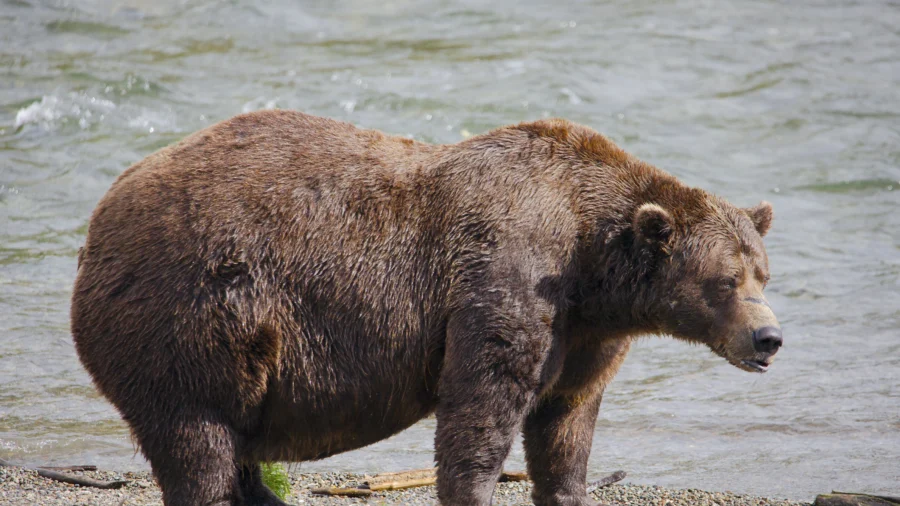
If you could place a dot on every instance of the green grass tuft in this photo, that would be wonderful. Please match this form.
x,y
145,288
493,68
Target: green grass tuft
x,y
275,477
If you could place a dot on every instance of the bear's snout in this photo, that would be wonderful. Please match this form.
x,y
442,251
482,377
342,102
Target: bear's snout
x,y
767,339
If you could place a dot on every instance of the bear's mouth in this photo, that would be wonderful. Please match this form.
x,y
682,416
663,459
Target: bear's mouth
x,y
755,365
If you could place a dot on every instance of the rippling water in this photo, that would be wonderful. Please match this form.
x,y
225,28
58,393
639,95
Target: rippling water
x,y
794,102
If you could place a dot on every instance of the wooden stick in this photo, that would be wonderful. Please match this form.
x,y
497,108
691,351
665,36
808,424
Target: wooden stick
x,y
401,480
70,468
80,480
347,492
68,478
400,485
418,474
415,474
426,480
605,482
513,476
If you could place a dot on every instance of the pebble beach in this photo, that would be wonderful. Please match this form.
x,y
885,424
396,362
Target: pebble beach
x,y
19,487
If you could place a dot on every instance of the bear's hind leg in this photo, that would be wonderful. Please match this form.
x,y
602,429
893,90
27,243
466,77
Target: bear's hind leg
x,y
193,459
255,492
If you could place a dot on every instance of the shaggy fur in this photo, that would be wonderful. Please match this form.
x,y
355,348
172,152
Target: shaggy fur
x,y
286,287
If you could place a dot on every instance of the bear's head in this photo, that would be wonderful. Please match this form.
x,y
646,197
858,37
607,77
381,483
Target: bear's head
x,y
709,271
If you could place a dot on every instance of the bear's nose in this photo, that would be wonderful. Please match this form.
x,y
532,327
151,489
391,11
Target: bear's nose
x,y
767,339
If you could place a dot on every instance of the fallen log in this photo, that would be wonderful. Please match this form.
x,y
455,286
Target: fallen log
x,y
68,478
853,499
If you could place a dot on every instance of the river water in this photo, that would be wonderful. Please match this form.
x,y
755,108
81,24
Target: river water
x,y
797,103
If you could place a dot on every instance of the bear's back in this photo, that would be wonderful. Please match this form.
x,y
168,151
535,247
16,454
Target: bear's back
x,y
270,220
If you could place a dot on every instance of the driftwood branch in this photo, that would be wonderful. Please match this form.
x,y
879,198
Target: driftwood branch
x,y
400,476
605,482
513,476
69,478
426,477
80,480
423,478
882,497
399,481
345,492
70,468
852,499
400,485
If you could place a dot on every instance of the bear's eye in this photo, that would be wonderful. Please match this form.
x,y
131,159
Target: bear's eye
x,y
729,284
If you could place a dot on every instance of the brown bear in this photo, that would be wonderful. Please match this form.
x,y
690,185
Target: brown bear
x,y
283,287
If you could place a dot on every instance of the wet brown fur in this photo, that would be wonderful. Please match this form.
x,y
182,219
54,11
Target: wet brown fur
x,y
286,287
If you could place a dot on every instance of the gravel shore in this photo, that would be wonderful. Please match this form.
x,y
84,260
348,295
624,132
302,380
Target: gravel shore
x,y
19,487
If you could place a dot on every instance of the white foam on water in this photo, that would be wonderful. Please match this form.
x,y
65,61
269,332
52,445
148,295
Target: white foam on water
x,y
53,111
45,111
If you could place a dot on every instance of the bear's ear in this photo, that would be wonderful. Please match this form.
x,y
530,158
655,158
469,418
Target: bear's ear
x,y
761,216
654,225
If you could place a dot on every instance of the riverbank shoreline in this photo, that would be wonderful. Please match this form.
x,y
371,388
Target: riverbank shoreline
x,y
20,487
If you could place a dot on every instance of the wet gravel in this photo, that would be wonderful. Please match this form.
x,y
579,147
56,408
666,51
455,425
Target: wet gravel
x,y
19,487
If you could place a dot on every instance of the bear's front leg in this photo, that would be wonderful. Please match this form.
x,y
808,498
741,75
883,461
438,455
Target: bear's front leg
x,y
559,431
558,437
488,382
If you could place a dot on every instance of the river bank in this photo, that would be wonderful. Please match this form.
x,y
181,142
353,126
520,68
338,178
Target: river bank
x,y
19,487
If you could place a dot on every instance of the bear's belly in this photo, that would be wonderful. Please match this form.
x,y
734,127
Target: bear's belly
x,y
345,402
298,444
